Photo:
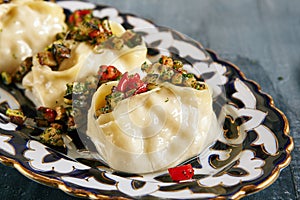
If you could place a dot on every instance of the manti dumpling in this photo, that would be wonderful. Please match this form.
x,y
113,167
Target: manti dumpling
x,y
27,27
46,87
154,130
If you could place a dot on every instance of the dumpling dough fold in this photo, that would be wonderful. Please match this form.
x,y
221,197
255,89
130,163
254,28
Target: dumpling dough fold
x,y
155,130
27,27
47,87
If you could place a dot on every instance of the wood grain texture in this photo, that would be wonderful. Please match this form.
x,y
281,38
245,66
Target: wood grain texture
x,y
261,37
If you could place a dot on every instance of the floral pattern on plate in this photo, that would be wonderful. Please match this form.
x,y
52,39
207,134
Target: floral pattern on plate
x,y
254,147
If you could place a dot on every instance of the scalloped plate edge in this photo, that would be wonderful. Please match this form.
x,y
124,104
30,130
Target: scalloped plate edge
x,y
249,189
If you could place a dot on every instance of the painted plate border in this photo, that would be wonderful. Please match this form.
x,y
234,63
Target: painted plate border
x,y
9,157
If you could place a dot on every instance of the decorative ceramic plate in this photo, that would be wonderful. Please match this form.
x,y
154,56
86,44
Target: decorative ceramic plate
x,y
246,158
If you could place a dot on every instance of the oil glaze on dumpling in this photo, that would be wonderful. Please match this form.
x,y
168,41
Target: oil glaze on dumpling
x,y
154,130
47,87
27,27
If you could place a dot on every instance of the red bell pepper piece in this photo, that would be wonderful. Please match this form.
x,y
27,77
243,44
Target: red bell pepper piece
x,y
108,73
131,82
123,83
78,15
134,82
48,113
141,89
83,12
180,173
94,33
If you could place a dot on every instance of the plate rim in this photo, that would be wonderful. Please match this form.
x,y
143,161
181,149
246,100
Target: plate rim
x,y
244,191
286,130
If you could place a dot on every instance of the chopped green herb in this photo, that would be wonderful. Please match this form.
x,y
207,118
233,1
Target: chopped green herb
x,y
177,64
52,136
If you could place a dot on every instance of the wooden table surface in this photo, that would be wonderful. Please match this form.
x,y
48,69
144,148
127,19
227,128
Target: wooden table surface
x,y
261,37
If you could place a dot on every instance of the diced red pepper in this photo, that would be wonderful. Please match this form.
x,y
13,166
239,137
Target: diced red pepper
x,y
123,83
82,12
71,19
94,33
48,113
141,89
134,82
78,16
136,77
108,73
131,85
180,173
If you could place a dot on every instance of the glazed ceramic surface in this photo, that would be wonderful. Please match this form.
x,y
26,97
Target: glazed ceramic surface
x,y
247,157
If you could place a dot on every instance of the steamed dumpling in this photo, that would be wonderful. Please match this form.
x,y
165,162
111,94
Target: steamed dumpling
x,y
154,130
27,27
47,87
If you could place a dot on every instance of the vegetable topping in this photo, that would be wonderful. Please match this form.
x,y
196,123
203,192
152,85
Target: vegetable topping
x,y
108,73
166,69
180,173
79,16
85,27
128,86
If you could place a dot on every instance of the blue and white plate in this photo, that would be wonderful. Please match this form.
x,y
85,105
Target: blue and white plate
x,y
247,157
